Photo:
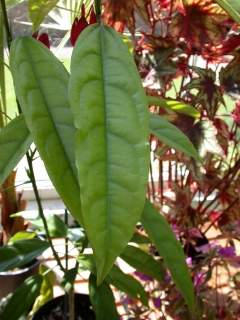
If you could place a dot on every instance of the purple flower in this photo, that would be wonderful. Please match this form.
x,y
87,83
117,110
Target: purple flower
x,y
157,302
228,252
143,276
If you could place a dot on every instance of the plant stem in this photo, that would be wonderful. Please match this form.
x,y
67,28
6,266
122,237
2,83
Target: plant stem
x,y
98,10
6,23
40,209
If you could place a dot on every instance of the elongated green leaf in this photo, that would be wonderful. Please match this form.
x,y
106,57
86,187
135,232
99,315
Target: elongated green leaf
x,y
232,7
39,9
117,278
41,86
20,253
172,136
110,113
102,300
127,284
22,299
174,105
15,140
143,262
170,249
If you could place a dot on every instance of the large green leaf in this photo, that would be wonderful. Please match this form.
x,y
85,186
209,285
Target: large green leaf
x,y
41,82
102,300
127,284
20,253
170,249
22,299
117,278
172,136
15,140
174,105
232,7
110,113
143,262
39,9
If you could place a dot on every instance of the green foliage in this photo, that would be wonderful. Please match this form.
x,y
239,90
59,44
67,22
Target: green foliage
x,y
21,235
22,299
174,105
20,253
170,249
46,290
102,300
39,9
127,284
114,165
232,7
40,82
172,136
15,140
117,278
143,262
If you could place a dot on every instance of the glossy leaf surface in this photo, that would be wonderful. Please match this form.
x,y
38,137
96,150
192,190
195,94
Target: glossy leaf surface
x,y
20,253
22,299
172,136
110,113
15,140
143,262
39,9
170,249
232,7
41,82
102,300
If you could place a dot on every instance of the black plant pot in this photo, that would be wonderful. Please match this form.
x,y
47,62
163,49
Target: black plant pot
x,y
11,280
57,309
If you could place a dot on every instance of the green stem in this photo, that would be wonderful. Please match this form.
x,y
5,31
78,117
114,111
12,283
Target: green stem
x,y
40,209
6,23
98,9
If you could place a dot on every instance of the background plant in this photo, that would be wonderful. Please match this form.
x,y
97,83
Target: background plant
x,y
181,76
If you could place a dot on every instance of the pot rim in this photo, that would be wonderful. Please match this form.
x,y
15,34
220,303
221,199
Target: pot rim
x,y
20,271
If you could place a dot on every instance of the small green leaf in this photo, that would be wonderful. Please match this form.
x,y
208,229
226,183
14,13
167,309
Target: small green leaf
x,y
69,278
41,83
22,299
46,291
174,105
57,228
172,136
102,300
170,249
39,9
20,253
22,235
143,262
232,7
112,153
117,278
15,140
127,284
